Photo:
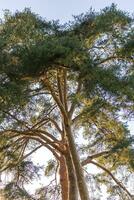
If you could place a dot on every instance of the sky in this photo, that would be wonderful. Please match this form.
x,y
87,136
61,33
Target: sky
x,y
62,9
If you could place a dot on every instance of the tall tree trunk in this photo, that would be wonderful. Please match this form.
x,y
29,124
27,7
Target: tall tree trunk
x,y
82,186
83,191
64,178
68,182
73,190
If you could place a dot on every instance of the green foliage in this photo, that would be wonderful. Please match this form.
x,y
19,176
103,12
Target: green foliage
x,y
111,17
20,27
14,191
51,166
34,58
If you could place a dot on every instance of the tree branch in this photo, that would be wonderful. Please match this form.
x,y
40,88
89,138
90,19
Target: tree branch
x,y
89,158
74,103
57,100
110,174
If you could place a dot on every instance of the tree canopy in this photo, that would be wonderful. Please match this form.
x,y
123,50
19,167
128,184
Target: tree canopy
x,y
68,88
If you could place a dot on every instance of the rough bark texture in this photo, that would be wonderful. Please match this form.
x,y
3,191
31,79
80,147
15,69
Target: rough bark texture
x,y
63,178
82,186
73,190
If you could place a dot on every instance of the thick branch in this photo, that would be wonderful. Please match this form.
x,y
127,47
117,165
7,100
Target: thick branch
x,y
65,89
89,158
37,134
60,84
57,100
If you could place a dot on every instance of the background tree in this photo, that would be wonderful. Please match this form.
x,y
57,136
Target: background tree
x,y
59,83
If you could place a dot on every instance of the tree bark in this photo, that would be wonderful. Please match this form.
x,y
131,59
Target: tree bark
x,y
82,186
83,190
63,178
68,182
73,190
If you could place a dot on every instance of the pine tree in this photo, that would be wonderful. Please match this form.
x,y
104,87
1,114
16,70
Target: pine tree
x,y
59,83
